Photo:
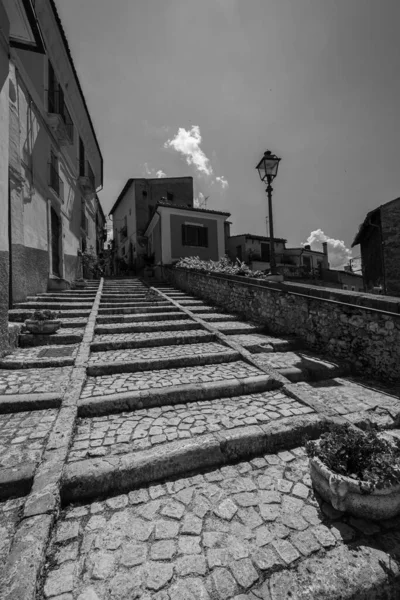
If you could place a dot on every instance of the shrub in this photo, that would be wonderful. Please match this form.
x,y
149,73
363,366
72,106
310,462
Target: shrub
x,y
364,456
45,315
223,266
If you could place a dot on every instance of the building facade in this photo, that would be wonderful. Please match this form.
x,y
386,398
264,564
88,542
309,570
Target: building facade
x,y
254,250
176,232
55,163
379,239
133,209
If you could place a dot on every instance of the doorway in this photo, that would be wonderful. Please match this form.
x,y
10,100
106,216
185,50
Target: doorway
x,y
55,243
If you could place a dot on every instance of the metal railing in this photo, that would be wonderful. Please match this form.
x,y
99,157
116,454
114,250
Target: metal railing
x,y
56,105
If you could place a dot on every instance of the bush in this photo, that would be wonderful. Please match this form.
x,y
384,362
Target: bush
x,y
45,315
371,460
223,266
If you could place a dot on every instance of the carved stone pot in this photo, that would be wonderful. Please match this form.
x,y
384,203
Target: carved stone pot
x,y
348,495
42,327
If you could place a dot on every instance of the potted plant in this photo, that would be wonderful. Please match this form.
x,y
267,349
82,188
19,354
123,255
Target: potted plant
x,y
80,283
357,472
43,321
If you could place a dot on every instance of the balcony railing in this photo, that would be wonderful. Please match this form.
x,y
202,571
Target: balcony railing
x,y
57,106
55,182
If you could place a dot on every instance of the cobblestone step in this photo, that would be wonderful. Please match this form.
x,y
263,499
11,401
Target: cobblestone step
x,y
138,310
17,315
34,381
124,341
60,298
163,357
258,343
124,298
131,431
128,391
127,471
217,317
62,337
141,317
237,327
302,366
183,325
40,357
134,304
254,530
54,305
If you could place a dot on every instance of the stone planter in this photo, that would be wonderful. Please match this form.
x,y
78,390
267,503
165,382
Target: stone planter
x,y
42,327
345,494
80,284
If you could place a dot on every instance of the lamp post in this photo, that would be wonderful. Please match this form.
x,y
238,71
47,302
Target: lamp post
x,y
267,169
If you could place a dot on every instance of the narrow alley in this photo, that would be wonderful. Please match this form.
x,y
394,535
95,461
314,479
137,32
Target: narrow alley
x,y
152,449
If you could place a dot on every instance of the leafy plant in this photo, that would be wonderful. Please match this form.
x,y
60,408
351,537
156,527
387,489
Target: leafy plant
x,y
89,261
222,266
364,456
45,315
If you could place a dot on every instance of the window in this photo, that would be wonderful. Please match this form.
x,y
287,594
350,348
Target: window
x,y
345,287
170,197
307,263
265,252
194,235
353,289
91,176
81,158
54,179
239,254
56,102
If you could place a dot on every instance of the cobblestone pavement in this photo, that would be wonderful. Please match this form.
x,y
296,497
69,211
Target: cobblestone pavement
x,y
39,354
148,335
126,382
113,327
216,535
29,381
258,342
158,352
130,431
23,435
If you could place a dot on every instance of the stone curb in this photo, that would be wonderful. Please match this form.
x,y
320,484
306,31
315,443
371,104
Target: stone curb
x,y
28,549
16,481
224,339
161,326
37,363
29,340
182,394
121,473
14,403
192,338
173,362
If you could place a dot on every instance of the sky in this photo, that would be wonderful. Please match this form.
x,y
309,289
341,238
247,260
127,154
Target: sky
x,y
204,87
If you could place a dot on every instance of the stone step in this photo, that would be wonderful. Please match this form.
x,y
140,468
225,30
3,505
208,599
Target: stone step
x,y
141,317
52,380
40,357
123,297
137,304
62,337
237,327
54,305
127,341
182,325
64,296
190,303
203,309
17,315
258,343
108,394
218,317
113,472
138,310
302,366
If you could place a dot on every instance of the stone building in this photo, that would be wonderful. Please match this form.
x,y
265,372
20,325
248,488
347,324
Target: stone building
x,y
134,207
379,239
55,163
254,249
176,232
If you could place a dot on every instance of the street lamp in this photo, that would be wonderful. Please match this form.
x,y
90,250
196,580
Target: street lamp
x,y
268,170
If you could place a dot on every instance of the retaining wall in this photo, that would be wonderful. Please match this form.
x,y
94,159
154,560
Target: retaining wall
x,y
359,328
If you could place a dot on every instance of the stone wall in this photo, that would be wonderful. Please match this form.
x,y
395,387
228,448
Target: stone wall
x,y
361,329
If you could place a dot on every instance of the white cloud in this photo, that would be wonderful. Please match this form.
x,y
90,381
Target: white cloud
x,y
152,173
223,181
197,202
187,142
338,253
160,174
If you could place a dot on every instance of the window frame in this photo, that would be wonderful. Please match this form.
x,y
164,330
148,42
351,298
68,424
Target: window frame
x,y
192,237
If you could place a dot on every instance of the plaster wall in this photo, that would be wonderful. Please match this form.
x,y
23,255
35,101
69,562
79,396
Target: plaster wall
x,y
126,208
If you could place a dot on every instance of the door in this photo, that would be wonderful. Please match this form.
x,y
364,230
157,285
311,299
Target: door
x,y
55,243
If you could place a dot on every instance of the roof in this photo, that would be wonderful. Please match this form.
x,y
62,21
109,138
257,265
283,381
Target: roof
x,y
363,227
68,51
258,237
192,208
132,179
305,250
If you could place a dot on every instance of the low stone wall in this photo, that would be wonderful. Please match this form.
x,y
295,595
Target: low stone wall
x,y
361,329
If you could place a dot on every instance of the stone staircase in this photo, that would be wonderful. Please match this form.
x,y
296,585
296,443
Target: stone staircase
x,y
173,432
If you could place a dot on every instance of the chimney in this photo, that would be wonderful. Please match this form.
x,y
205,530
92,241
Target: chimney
x,y
325,248
307,247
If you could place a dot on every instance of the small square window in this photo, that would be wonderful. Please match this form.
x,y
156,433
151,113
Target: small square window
x,y
194,236
170,196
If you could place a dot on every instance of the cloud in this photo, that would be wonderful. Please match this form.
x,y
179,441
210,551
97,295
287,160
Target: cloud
x,y
338,253
223,181
152,173
187,142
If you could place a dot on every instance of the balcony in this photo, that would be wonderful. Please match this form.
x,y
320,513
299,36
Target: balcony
x,y
59,118
86,181
55,182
